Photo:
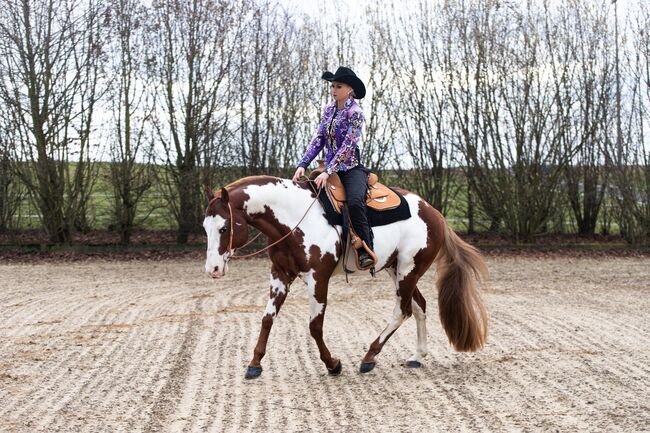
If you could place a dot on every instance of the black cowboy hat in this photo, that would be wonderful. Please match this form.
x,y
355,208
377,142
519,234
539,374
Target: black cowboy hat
x,y
347,76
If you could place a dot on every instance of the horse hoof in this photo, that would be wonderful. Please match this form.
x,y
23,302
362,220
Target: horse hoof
x,y
367,366
253,372
412,364
336,370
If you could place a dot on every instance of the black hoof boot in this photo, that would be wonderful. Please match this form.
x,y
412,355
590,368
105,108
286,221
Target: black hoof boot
x,y
253,372
412,364
366,367
336,370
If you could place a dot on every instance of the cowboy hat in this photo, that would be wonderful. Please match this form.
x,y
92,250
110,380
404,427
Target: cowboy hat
x,y
347,76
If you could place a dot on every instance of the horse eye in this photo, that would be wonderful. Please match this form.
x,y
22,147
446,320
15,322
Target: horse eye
x,y
223,229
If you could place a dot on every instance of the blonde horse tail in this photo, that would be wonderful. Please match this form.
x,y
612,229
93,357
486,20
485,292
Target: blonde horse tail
x,y
462,313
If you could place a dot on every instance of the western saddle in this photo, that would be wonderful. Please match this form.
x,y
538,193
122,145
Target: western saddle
x,y
380,198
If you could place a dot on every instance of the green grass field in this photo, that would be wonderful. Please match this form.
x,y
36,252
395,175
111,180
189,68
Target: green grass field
x,y
154,212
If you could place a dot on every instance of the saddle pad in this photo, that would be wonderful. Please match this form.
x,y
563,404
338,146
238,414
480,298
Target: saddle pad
x,y
375,218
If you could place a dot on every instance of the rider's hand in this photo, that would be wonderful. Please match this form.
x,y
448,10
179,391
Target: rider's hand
x,y
321,179
298,174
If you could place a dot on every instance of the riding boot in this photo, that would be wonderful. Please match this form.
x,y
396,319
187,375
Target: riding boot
x,y
362,228
355,182
365,260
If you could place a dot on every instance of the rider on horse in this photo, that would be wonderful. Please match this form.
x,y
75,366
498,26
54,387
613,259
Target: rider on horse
x,y
339,132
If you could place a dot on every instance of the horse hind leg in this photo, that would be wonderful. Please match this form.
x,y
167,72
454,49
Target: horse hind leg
x,y
401,311
419,312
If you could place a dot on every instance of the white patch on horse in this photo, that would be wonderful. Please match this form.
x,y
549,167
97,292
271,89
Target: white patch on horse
x,y
396,321
212,225
420,318
315,307
407,237
289,203
413,240
277,287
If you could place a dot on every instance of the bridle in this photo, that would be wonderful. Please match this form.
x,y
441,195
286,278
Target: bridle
x,y
231,250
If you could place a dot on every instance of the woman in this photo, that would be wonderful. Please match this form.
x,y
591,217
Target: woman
x,y
339,132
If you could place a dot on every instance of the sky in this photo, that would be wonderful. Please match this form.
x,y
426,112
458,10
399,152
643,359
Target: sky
x,y
311,7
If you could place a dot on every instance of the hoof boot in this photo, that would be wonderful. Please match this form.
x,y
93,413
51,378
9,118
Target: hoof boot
x,y
253,372
367,366
336,370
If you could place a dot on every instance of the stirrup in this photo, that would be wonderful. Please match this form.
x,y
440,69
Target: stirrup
x,y
366,261
361,247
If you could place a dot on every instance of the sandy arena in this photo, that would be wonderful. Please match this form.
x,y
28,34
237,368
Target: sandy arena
x,y
145,346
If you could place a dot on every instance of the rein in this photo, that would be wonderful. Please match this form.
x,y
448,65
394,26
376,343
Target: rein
x,y
232,229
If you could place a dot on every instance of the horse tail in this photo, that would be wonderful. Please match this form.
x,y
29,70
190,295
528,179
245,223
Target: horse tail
x,y
462,313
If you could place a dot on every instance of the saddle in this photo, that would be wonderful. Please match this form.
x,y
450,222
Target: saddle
x,y
379,198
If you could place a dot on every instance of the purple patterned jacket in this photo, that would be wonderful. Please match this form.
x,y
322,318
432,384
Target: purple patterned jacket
x,y
342,153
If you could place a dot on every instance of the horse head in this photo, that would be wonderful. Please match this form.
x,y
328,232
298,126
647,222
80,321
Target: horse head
x,y
226,228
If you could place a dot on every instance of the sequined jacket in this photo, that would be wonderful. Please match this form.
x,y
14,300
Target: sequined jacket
x,y
339,132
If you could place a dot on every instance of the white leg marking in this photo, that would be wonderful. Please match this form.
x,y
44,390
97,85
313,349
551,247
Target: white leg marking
x,y
397,319
315,307
420,319
277,288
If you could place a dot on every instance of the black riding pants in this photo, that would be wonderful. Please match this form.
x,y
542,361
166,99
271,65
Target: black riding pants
x,y
355,182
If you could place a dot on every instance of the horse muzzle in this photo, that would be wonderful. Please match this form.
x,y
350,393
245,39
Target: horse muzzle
x,y
217,274
218,271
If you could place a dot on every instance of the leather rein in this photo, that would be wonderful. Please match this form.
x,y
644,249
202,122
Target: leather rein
x,y
231,250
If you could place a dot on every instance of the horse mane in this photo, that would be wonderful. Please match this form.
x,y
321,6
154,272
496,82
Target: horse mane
x,y
244,181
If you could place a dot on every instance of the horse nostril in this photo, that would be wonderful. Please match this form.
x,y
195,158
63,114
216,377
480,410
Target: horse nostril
x,y
216,269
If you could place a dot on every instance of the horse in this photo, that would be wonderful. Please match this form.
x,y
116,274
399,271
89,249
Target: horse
x,y
302,244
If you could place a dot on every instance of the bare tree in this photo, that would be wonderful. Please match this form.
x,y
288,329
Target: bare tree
x,y
11,194
468,37
274,80
382,120
413,93
131,173
293,101
512,128
194,51
629,153
582,61
50,52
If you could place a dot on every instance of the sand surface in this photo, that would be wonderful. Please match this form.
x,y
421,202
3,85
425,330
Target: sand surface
x,y
149,346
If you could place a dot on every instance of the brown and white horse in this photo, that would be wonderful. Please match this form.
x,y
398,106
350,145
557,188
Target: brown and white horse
x,y
406,249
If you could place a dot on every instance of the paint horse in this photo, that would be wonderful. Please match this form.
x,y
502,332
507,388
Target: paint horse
x,y
311,249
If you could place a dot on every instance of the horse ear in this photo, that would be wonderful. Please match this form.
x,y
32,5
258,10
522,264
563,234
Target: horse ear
x,y
224,196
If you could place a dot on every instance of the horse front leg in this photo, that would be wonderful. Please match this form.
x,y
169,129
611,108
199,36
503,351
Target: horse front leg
x,y
317,293
278,293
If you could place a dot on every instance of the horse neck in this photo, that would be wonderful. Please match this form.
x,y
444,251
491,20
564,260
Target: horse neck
x,y
287,205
